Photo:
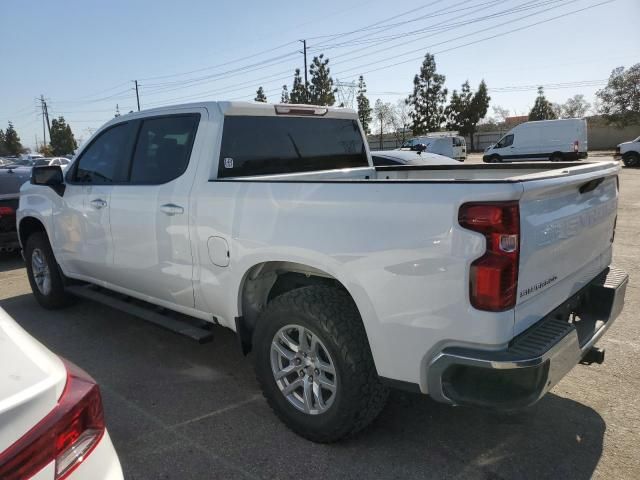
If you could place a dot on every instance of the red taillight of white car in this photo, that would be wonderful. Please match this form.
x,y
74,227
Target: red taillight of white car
x,y
7,212
493,281
67,435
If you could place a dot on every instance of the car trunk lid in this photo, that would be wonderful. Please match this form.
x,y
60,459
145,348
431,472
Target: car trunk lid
x,y
31,381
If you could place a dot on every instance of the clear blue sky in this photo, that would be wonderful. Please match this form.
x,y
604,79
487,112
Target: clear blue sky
x,y
82,55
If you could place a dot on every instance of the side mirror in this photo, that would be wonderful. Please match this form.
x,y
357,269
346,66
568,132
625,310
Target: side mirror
x,y
49,175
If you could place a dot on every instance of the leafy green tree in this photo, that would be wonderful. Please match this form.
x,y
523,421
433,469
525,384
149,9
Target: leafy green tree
x,y
575,107
364,107
321,91
620,99
62,139
284,96
260,96
3,148
542,108
466,109
428,98
12,141
298,89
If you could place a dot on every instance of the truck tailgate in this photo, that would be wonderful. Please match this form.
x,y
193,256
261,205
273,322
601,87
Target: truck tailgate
x,y
567,226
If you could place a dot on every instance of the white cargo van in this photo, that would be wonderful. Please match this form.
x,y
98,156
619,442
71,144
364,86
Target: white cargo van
x,y
554,140
450,146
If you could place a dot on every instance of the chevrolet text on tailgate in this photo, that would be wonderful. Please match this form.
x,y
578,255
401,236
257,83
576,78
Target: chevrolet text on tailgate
x,y
475,284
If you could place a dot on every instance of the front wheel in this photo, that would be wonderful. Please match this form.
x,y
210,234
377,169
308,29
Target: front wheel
x,y
631,160
45,278
314,364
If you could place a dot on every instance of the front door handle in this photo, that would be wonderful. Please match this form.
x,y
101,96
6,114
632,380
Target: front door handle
x,y
171,209
98,203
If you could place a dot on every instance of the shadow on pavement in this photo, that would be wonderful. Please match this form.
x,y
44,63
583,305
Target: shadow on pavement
x,y
176,409
10,261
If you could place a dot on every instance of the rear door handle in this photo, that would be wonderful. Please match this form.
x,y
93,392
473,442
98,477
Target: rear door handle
x,y
171,209
98,203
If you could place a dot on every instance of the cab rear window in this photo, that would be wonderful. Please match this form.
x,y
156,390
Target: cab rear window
x,y
277,145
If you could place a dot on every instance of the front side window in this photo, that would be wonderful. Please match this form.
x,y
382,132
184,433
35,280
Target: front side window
x,y
100,162
505,141
163,148
275,145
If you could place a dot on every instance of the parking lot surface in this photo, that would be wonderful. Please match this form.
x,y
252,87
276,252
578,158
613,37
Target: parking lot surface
x,y
176,409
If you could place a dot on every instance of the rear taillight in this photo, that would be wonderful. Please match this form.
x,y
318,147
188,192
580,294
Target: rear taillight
x,y
576,146
67,435
7,212
494,276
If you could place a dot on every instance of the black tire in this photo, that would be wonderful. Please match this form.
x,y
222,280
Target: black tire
x,y
495,159
331,315
55,297
631,159
556,157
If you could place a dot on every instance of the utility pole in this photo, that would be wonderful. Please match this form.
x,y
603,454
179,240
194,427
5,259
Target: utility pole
x,y
306,82
137,94
46,114
44,132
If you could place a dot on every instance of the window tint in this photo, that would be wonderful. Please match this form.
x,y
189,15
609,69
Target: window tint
x,y
271,145
100,162
506,141
163,148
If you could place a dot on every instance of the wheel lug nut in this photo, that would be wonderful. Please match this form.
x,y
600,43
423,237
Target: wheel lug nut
x,y
301,373
298,361
310,378
316,371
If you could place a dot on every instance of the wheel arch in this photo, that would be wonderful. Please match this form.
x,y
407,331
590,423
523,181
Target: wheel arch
x,y
266,280
29,225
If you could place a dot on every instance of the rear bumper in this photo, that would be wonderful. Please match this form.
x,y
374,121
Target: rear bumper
x,y
9,240
537,358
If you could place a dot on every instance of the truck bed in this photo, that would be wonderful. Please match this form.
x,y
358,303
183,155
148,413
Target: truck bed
x,y
441,173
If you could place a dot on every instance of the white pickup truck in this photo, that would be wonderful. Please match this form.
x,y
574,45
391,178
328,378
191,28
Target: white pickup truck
x,y
475,284
629,153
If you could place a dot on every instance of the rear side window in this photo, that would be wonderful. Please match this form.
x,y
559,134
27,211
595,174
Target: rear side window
x,y
163,148
273,145
101,162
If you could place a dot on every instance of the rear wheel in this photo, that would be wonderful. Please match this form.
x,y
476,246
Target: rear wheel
x,y
556,157
45,278
314,364
631,159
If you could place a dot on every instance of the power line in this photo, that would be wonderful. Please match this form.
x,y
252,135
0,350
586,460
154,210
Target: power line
x,y
211,67
472,42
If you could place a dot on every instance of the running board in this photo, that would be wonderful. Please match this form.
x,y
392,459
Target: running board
x,y
198,330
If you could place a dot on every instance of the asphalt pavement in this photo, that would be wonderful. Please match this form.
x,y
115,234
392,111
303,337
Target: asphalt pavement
x,y
179,410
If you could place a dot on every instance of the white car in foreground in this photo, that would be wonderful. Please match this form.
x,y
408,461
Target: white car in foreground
x,y
382,158
51,419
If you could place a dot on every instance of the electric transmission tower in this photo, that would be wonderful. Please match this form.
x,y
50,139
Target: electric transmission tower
x,y
346,93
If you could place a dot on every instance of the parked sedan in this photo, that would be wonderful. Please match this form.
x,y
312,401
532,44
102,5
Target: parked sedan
x,y
409,157
11,179
51,418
